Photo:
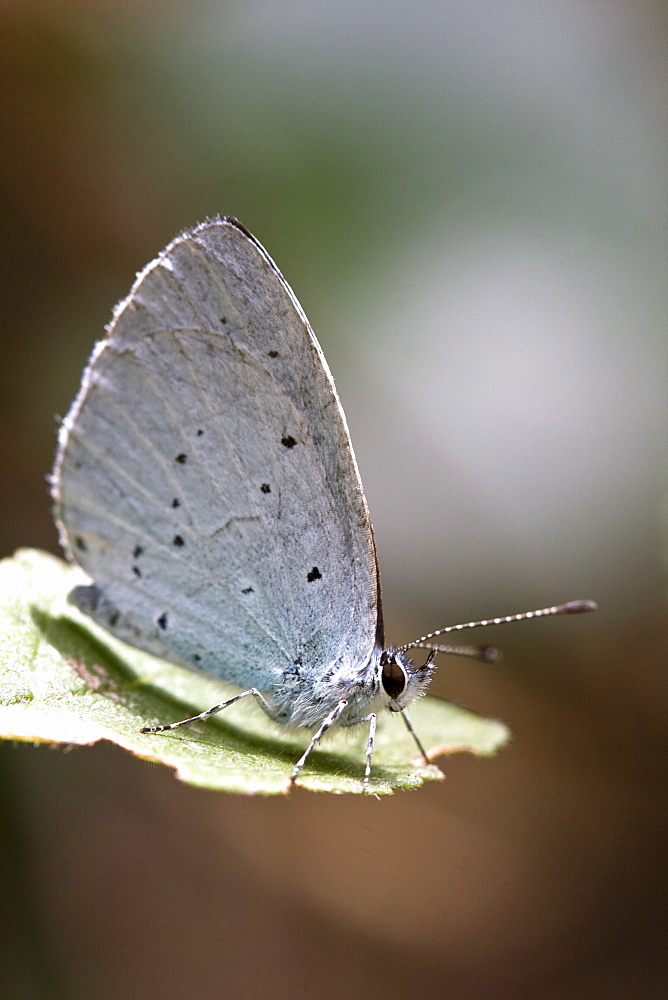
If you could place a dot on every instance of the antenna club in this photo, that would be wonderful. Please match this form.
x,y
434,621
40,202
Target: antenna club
x,y
576,607
491,654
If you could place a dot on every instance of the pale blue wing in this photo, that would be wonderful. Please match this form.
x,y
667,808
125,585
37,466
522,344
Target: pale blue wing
x,y
205,479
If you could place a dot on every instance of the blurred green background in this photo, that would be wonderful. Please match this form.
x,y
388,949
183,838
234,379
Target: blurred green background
x,y
470,203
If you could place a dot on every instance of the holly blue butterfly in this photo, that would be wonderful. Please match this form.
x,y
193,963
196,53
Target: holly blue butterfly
x,y
206,482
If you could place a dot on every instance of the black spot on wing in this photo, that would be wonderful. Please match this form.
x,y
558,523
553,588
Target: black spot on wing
x,y
266,488
80,543
181,458
200,432
136,552
162,620
288,441
272,354
178,541
176,502
314,574
247,590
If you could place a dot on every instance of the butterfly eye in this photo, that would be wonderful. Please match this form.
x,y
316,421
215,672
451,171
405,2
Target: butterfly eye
x,y
394,678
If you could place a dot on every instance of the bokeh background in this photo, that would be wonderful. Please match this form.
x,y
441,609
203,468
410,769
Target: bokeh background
x,y
470,202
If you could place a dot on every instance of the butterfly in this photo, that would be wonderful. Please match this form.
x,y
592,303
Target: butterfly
x,y
206,482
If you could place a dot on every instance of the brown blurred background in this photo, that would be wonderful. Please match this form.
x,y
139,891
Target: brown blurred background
x,y
470,202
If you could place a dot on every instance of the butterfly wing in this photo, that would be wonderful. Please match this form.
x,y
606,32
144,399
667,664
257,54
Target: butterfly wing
x,y
205,478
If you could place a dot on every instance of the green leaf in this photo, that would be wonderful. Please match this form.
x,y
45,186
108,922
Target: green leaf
x,y
65,680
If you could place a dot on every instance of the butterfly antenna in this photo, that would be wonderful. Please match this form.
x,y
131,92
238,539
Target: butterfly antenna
x,y
490,653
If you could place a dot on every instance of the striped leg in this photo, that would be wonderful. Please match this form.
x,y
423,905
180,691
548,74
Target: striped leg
x,y
371,719
330,720
409,727
209,711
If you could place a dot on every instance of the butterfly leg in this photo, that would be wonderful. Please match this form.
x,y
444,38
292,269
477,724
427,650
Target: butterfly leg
x,y
209,711
409,727
315,739
371,719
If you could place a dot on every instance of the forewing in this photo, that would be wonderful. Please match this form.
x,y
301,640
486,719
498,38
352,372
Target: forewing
x,y
205,478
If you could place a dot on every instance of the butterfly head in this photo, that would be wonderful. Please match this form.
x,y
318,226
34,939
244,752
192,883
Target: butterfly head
x,y
401,681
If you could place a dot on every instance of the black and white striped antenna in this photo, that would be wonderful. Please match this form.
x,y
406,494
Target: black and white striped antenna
x,y
491,653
